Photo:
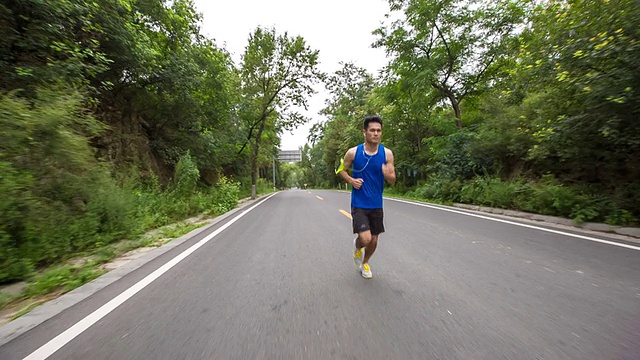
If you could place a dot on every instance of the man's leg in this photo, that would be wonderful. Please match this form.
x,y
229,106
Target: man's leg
x,y
376,227
364,238
370,247
369,242
362,241
358,252
361,228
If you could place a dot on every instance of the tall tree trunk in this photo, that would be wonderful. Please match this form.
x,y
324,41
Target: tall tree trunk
x,y
456,110
254,157
455,103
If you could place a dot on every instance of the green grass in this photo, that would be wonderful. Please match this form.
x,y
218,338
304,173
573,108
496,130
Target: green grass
x,y
25,310
5,299
169,233
180,229
65,278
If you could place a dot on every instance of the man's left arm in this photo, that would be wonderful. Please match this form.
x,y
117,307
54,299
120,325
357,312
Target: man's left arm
x,y
388,170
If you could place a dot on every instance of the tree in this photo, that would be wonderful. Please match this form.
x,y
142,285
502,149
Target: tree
x,y
412,123
277,75
583,59
451,46
167,89
49,42
350,88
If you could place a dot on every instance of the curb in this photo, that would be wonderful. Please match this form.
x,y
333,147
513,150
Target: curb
x,y
599,227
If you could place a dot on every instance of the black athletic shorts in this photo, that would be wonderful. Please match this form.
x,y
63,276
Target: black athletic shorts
x,y
367,219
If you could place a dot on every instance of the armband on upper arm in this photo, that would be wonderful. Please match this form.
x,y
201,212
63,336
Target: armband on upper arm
x,y
341,167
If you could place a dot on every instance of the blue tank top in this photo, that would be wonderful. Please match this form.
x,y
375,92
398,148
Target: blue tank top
x,y
368,168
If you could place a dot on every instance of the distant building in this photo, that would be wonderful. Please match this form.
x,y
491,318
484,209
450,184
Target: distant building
x,y
290,156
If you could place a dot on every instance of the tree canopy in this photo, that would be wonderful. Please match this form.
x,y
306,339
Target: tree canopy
x,y
524,105
119,115
277,72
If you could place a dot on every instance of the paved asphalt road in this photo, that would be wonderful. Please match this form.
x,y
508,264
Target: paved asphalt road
x,y
279,283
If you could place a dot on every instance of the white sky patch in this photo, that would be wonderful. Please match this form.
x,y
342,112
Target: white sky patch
x,y
341,30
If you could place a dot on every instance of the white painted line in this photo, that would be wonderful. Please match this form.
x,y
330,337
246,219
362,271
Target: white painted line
x,y
520,224
61,340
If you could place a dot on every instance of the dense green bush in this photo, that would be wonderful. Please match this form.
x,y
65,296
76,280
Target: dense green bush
x,y
263,186
454,158
56,200
491,191
550,197
546,196
443,189
224,196
50,181
185,179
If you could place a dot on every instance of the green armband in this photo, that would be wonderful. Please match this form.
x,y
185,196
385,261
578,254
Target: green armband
x,y
341,167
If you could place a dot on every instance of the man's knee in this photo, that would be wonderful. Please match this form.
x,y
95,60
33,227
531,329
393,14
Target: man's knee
x,y
365,238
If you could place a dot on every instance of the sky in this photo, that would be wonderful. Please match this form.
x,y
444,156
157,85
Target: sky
x,y
340,29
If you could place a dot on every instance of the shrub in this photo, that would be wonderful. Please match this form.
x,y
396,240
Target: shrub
x,y
492,191
225,195
547,196
441,189
186,176
47,179
550,197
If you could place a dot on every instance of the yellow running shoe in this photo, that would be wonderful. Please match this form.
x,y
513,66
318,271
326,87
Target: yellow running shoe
x,y
358,254
366,271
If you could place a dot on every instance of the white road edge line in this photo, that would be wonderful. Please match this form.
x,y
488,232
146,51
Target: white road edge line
x,y
520,224
61,340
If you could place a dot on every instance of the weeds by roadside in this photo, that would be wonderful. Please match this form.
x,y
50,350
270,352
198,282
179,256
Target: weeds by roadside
x,y
546,197
57,280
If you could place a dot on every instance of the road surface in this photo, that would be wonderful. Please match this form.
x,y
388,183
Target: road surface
x,y
277,281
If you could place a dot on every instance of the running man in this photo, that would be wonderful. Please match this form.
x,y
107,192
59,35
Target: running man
x,y
371,164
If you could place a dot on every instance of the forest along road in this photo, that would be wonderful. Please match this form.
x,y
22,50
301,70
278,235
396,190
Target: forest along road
x,y
279,282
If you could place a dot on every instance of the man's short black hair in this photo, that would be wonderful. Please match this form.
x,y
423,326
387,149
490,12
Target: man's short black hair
x,y
370,119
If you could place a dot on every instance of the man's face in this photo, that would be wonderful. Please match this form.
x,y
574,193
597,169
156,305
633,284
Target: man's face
x,y
373,133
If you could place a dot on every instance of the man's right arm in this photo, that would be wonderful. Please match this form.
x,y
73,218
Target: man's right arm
x,y
348,161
